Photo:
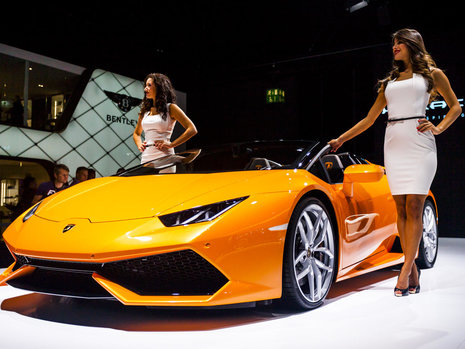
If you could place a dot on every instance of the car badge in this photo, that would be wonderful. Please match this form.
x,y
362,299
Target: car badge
x,y
68,228
124,102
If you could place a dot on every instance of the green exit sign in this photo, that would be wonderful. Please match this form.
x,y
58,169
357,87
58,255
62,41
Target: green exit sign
x,y
275,95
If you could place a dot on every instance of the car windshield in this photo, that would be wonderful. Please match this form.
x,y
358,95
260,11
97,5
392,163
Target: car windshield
x,y
233,157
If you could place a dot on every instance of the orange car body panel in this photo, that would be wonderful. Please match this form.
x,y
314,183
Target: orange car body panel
x,y
116,218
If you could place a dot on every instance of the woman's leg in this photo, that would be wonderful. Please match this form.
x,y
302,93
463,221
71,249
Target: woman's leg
x,y
414,228
401,202
410,226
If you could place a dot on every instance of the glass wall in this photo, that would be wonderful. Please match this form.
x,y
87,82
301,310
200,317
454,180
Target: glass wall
x,y
33,95
18,182
11,89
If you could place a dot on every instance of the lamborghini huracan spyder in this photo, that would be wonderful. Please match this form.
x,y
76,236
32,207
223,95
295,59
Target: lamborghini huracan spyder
x,y
234,224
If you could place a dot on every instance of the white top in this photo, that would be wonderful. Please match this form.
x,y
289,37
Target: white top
x,y
407,98
155,128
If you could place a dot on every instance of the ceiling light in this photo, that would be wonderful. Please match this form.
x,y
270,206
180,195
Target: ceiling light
x,y
355,5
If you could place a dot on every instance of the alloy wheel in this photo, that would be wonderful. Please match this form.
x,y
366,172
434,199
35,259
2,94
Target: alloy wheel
x,y
313,253
430,233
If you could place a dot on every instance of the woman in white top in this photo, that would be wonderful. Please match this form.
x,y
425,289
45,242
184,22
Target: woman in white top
x,y
409,145
157,118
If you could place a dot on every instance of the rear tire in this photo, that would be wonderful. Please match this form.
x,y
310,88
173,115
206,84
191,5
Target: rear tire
x,y
428,249
310,258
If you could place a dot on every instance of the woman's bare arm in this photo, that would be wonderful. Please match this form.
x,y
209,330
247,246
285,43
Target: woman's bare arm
x,y
137,135
442,85
190,129
363,124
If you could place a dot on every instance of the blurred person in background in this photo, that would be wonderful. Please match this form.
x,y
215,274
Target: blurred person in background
x,y
60,182
82,174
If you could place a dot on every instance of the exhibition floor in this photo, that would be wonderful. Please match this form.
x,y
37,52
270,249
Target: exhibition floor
x,y
358,313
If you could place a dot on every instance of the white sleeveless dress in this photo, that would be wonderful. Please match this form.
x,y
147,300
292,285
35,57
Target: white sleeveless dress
x,y
409,155
155,128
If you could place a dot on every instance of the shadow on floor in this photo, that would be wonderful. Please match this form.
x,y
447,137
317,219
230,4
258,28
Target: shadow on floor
x,y
113,314
345,288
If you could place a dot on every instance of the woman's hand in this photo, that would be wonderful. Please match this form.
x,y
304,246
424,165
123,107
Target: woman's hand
x,y
162,144
142,146
335,144
425,125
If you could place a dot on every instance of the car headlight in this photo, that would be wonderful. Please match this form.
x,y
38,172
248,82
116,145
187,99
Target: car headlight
x,y
31,212
199,214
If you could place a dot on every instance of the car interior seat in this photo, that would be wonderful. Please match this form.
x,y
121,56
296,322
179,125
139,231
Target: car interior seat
x,y
334,167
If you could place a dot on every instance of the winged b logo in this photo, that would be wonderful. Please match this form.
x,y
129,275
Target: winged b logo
x,y
124,102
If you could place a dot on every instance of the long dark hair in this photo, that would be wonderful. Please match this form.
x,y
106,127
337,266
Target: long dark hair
x,y
164,95
421,60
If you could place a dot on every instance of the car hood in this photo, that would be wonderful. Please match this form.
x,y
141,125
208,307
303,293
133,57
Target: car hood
x,y
122,198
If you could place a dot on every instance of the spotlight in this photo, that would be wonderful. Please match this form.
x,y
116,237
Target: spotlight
x,y
354,5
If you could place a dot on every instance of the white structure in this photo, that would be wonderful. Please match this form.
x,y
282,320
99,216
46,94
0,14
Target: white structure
x,y
100,127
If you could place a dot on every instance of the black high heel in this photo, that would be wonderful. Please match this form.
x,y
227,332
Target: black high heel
x,y
415,289
401,292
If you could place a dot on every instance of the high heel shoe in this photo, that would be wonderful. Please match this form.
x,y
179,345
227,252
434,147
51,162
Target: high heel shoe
x,y
401,292
415,289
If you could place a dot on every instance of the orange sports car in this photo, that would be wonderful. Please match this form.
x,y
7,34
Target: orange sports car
x,y
231,225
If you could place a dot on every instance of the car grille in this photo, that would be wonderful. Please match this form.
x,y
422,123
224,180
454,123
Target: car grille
x,y
175,273
77,267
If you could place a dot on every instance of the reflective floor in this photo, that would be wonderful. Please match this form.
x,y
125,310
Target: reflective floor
x,y
358,313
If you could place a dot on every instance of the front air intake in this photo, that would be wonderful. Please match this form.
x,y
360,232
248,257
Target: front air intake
x,y
175,273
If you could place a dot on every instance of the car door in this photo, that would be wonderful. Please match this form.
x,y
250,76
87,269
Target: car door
x,y
368,214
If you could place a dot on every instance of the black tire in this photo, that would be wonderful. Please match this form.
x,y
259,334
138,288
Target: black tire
x,y
428,250
310,259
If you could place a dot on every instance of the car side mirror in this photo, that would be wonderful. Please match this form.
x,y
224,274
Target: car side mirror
x,y
360,174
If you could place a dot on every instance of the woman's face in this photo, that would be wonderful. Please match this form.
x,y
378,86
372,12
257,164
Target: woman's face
x,y
150,89
400,51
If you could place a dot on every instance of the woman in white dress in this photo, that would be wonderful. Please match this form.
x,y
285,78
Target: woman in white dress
x,y
409,145
157,118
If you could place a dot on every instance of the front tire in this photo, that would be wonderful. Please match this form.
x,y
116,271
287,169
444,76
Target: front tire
x,y
428,249
309,262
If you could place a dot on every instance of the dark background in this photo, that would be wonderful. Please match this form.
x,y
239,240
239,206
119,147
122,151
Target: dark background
x,y
225,55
